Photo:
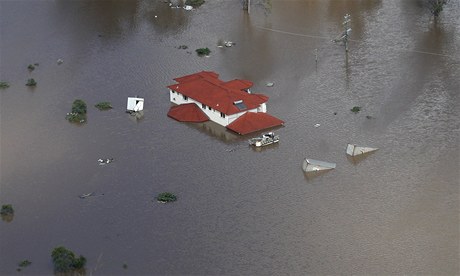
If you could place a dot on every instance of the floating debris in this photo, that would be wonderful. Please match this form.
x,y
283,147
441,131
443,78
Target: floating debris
x,y
270,84
310,165
60,61
188,8
264,140
354,150
104,161
370,117
229,43
31,67
317,125
182,47
83,196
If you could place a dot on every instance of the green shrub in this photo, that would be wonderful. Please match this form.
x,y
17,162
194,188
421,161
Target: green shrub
x,y
24,263
4,84
78,114
356,109
31,67
103,106
203,51
64,260
7,209
166,197
31,82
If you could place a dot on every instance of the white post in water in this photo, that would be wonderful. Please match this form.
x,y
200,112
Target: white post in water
x,y
347,30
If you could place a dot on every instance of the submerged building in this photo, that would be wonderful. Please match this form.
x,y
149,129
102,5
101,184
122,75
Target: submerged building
x,y
203,96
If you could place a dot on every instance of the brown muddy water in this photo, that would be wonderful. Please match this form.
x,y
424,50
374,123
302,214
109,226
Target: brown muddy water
x,y
239,211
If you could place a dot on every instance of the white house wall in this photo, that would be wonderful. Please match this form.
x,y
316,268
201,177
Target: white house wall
x,y
214,115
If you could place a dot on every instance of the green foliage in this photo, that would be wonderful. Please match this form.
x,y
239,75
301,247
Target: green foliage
x,y
31,67
4,84
78,114
166,197
25,263
356,109
436,6
7,209
203,51
194,3
79,106
64,260
103,106
31,82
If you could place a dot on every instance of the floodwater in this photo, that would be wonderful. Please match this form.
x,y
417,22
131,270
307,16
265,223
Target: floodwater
x,y
239,211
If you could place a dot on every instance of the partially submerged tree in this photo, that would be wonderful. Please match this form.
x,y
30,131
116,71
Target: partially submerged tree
x,y
64,260
436,6
78,114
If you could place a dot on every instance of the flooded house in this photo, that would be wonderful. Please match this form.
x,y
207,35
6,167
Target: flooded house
x,y
203,96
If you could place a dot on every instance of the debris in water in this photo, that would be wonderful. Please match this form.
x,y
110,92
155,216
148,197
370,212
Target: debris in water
x,y
83,196
188,8
105,161
270,84
354,150
60,61
310,165
317,125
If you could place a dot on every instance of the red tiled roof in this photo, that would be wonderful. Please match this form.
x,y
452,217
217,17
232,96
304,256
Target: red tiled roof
x,y
239,84
187,113
206,88
252,122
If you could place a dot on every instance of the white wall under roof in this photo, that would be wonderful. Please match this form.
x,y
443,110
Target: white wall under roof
x,y
214,115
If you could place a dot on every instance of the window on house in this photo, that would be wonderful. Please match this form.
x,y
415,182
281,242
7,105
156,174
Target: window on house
x,y
222,115
185,97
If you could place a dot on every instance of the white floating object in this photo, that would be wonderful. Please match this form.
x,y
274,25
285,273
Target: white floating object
x,y
317,125
60,61
354,150
270,84
188,8
264,140
310,165
135,104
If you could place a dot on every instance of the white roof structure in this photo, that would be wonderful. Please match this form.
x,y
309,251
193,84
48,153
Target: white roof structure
x,y
135,104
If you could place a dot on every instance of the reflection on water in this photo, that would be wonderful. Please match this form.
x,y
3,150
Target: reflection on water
x,y
245,211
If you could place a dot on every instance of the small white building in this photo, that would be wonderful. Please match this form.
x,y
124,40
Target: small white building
x,y
202,96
